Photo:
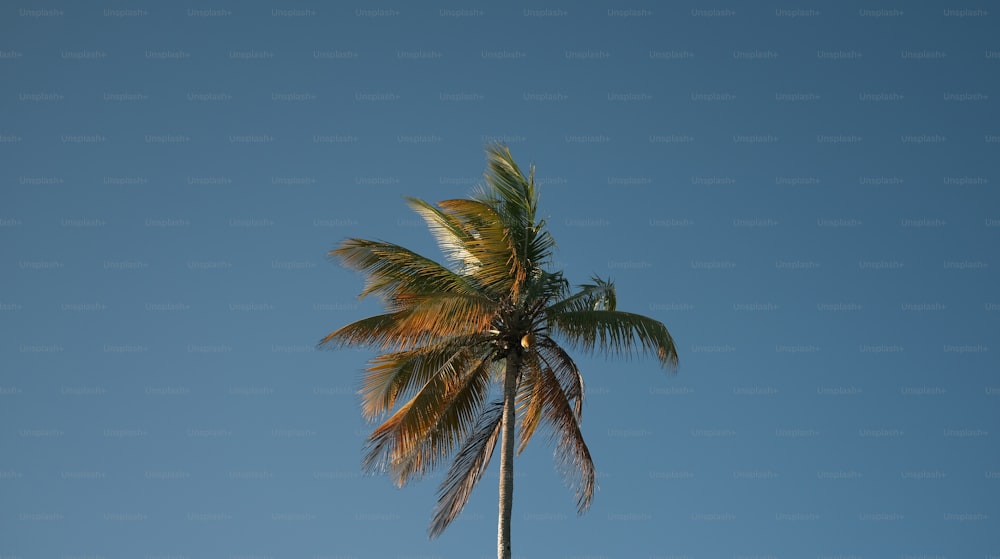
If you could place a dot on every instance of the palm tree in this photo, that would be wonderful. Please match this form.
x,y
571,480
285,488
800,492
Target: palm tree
x,y
492,316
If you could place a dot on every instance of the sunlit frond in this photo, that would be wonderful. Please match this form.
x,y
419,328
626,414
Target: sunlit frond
x,y
429,321
427,427
615,332
450,235
398,274
396,375
491,243
468,468
373,331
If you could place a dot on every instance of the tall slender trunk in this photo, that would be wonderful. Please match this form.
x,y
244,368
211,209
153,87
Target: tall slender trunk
x,y
507,453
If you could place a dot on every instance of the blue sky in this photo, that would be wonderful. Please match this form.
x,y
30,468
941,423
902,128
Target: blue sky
x,y
804,194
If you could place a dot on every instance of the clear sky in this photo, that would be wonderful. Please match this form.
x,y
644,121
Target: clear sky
x,y
805,194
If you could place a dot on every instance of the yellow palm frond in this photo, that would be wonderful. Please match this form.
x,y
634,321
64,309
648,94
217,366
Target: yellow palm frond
x,y
426,321
391,376
427,427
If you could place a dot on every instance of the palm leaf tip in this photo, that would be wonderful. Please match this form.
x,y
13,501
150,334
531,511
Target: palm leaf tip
x,y
668,356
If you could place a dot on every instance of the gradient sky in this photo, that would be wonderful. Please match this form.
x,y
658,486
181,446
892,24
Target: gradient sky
x,y
806,195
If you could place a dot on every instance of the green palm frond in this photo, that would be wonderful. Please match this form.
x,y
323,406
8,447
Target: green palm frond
x,y
615,332
468,468
515,198
427,427
599,295
507,188
544,287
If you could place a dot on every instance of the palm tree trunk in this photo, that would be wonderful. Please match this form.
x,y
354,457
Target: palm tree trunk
x,y
507,454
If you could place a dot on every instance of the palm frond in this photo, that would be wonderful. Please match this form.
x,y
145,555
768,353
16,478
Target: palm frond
x,y
599,295
426,322
544,287
615,332
548,363
515,198
397,273
507,186
427,427
571,453
392,376
450,235
490,242
373,331
565,370
530,399
468,468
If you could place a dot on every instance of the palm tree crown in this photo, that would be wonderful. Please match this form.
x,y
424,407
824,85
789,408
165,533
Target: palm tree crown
x,y
493,314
